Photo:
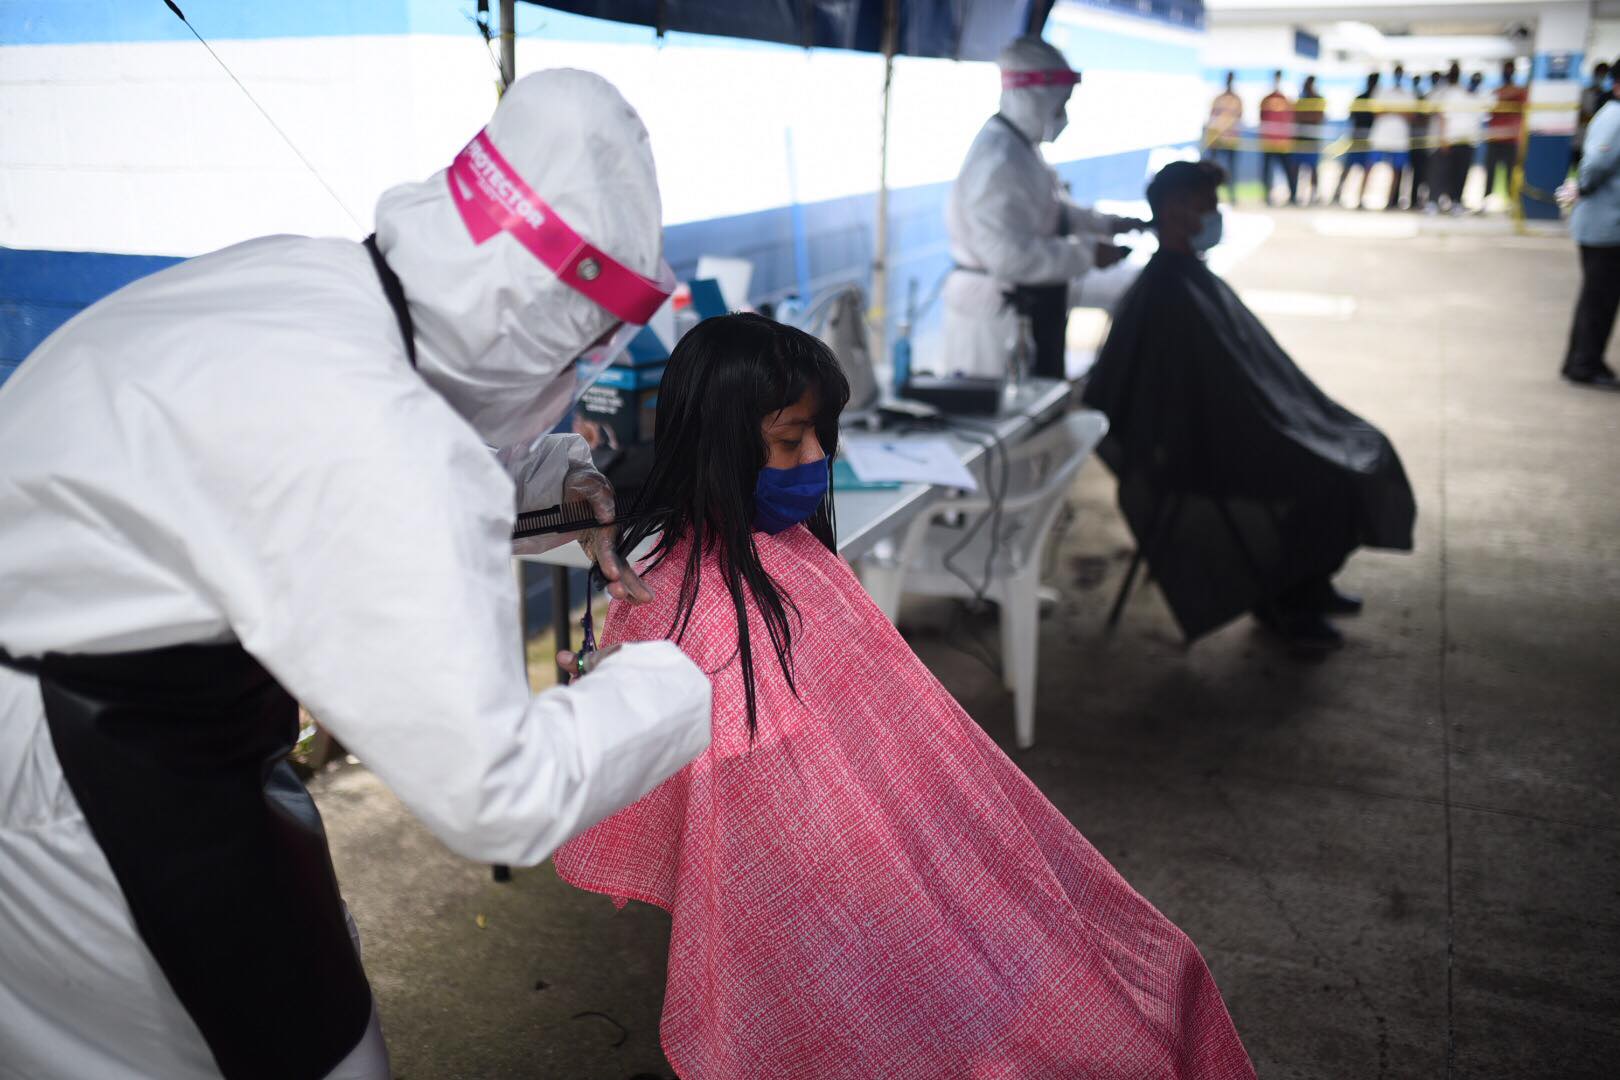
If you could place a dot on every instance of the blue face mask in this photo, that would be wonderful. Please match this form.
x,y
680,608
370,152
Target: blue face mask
x,y
785,497
1209,232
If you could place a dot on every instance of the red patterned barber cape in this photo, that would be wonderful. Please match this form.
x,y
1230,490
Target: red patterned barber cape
x,y
871,890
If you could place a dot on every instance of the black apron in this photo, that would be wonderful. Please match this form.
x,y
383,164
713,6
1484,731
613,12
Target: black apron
x,y
178,760
1047,308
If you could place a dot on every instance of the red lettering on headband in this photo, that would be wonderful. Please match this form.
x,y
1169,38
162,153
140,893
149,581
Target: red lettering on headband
x,y
1019,80
493,198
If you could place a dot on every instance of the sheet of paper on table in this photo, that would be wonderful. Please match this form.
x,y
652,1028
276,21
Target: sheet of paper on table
x,y
906,460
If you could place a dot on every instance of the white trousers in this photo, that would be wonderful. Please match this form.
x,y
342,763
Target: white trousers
x,y
369,1058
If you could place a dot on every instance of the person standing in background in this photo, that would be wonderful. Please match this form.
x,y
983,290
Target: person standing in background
x,y
1438,163
1476,98
1420,128
1277,138
1361,122
1459,133
1223,133
1309,114
1391,135
1472,84
1595,227
1503,130
1593,95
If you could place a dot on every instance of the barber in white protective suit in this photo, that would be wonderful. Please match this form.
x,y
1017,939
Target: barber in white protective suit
x,y
1019,242
264,476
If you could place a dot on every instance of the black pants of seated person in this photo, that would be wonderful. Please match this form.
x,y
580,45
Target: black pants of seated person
x,y
1307,531
1594,313
1308,597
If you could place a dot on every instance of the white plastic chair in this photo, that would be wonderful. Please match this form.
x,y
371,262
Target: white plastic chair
x,y
1040,470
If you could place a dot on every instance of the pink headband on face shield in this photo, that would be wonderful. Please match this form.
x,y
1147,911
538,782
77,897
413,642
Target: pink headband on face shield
x,y
493,198
1022,80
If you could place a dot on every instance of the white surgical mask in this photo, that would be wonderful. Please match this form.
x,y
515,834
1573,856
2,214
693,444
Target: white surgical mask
x,y
1209,232
1055,126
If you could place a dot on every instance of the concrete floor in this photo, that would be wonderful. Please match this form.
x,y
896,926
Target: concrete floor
x,y
1399,862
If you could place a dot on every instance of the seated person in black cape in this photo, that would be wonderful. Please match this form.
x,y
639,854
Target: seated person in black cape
x,y
1246,487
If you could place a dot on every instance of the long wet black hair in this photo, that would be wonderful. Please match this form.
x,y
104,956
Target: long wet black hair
x,y
725,377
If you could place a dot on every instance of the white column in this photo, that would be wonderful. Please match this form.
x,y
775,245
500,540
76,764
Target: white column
x,y
1558,74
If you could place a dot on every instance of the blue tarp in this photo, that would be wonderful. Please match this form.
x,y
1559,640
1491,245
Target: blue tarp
x,y
953,29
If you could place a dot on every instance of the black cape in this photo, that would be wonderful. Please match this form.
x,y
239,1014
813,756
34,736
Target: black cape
x,y
1238,477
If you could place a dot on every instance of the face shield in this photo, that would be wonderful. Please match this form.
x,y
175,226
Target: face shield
x,y
492,198
594,360
1059,121
1049,84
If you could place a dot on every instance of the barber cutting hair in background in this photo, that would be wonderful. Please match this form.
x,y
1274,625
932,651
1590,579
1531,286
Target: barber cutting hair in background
x,y
1019,242
264,476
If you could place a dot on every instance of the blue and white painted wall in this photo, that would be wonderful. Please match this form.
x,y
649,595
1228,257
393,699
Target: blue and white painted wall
x,y
127,146
1562,33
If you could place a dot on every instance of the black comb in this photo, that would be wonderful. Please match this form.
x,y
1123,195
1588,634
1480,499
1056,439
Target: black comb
x,y
574,516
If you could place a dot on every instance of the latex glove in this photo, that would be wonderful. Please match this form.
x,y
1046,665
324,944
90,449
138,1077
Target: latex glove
x,y
1568,194
584,484
568,660
538,469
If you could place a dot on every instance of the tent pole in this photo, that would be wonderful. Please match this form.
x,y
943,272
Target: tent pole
x,y
878,313
508,43
1038,11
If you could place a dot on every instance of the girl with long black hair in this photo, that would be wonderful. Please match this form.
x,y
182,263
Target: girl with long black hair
x,y
709,474
861,883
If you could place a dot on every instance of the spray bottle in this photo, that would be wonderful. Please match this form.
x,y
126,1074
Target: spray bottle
x,y
901,356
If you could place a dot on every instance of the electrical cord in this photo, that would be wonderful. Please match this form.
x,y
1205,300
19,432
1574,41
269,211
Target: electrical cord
x,y
1060,532
172,6
995,450
481,22
957,635
997,484
997,481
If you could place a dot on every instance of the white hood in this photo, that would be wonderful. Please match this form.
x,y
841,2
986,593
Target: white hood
x,y
495,328
1032,109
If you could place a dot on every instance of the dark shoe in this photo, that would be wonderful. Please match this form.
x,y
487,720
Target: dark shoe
x,y
1597,380
1304,630
1322,598
1335,602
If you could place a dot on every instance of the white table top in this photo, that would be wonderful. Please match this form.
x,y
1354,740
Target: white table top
x,y
867,516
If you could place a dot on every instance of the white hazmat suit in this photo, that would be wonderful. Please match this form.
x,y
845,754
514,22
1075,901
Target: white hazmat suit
x,y
237,449
1010,220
